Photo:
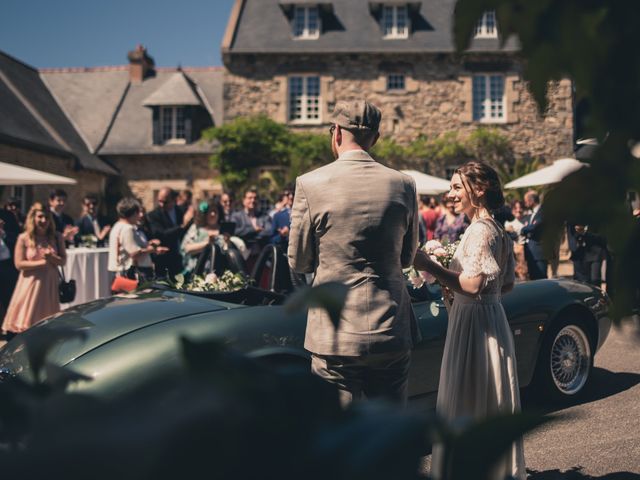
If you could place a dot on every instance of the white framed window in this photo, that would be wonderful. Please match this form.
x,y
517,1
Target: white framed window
x,y
306,22
489,102
487,26
395,81
20,193
395,21
172,125
304,99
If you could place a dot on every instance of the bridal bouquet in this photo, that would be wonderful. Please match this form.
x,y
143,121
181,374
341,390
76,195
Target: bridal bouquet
x,y
227,282
441,253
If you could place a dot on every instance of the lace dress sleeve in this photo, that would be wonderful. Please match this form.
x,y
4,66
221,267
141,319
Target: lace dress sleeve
x,y
479,252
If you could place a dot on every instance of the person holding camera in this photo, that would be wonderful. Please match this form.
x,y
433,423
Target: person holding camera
x,y
129,249
208,229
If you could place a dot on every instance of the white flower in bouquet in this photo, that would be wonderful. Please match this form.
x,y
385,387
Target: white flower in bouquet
x,y
227,282
440,253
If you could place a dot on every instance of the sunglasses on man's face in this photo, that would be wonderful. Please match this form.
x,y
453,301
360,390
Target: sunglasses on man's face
x,y
332,129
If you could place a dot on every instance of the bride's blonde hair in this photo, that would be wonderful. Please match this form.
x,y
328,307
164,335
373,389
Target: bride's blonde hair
x,y
30,224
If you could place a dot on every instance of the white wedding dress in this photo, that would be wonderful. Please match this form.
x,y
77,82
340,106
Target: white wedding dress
x,y
478,377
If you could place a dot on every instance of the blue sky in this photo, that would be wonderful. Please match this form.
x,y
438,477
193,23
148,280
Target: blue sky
x,y
86,33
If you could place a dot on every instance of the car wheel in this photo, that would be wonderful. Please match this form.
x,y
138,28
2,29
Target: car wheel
x,y
565,362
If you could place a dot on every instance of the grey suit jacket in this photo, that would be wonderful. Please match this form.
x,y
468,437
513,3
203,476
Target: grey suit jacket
x,y
355,221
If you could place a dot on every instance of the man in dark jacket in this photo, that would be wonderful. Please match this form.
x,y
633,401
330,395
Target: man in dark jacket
x,y
92,223
64,223
588,250
532,231
168,224
252,226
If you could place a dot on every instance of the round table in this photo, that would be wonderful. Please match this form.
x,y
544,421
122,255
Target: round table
x,y
89,268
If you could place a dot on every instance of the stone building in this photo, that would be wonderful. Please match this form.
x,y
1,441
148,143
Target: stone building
x,y
144,121
293,59
129,129
35,133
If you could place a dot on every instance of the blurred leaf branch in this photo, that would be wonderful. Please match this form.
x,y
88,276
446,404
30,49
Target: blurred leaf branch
x,y
594,43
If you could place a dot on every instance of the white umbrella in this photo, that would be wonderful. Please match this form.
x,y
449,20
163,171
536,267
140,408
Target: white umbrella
x,y
14,175
426,184
548,175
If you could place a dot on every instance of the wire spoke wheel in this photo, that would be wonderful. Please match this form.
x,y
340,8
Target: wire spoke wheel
x,y
570,359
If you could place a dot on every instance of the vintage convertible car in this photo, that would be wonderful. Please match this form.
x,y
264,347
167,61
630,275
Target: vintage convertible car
x,y
558,325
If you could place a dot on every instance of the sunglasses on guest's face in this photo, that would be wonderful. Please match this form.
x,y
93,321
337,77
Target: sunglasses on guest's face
x,y
332,129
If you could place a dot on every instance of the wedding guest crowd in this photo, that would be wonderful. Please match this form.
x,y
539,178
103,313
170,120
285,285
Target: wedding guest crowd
x,y
170,239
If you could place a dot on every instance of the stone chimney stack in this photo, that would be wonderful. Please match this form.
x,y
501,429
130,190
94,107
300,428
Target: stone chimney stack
x,y
140,64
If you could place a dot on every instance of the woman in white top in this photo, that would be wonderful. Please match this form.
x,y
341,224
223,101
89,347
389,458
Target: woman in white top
x,y
478,376
129,249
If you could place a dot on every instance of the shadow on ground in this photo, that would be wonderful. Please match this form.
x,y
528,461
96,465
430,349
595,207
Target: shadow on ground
x,y
603,384
576,474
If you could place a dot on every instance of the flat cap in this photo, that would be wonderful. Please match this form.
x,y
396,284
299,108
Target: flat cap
x,y
356,114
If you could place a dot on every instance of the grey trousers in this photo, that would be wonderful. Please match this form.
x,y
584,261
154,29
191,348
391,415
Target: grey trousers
x,y
381,375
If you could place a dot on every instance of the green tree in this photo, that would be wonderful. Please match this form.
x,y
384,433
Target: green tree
x,y
247,143
593,42
392,154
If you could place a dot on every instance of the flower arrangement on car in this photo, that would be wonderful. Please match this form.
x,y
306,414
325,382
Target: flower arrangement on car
x,y
227,282
439,252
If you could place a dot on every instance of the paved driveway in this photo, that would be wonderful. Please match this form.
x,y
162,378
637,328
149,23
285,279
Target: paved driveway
x,y
598,438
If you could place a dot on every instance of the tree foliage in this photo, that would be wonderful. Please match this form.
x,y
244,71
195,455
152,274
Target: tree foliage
x,y
247,143
435,155
594,43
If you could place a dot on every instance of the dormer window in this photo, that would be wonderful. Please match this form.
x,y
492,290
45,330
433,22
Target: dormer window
x,y
306,22
395,21
487,26
172,125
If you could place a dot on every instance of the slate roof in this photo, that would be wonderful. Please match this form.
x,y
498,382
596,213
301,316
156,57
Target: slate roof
x,y
263,27
111,114
30,116
177,90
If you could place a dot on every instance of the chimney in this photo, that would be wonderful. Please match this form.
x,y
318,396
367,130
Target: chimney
x,y
140,64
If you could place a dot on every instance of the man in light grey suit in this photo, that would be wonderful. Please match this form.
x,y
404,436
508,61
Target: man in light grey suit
x,y
355,221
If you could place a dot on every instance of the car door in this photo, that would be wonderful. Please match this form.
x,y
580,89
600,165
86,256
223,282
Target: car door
x,y
426,356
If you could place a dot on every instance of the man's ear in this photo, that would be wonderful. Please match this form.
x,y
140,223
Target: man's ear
x,y
338,134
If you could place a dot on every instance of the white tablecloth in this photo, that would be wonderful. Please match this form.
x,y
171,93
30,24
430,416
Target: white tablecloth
x,y
89,268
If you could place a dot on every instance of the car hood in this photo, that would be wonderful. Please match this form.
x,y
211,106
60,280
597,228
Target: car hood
x,y
102,321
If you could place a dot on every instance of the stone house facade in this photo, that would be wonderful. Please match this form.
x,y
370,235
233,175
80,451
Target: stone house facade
x,y
121,130
35,133
294,59
145,122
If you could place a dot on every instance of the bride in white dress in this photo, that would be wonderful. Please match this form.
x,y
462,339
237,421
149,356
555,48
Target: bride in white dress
x,y
478,377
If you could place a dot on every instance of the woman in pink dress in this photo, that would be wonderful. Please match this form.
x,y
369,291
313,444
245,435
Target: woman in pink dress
x,y
39,252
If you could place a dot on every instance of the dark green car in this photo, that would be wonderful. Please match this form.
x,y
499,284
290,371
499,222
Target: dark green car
x,y
558,326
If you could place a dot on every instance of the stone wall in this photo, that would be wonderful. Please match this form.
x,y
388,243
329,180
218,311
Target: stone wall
x,y
436,99
146,174
88,181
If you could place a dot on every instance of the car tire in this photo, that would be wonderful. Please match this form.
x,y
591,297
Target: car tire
x,y
565,362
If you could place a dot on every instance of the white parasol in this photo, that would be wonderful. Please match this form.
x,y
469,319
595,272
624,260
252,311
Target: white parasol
x,y
427,184
14,175
548,175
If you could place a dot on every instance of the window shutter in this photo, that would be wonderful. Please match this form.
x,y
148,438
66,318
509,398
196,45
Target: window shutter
x,y
157,134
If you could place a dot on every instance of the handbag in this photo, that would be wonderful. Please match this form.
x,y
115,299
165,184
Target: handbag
x,y
122,284
126,281
66,290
